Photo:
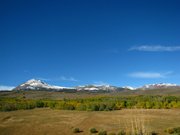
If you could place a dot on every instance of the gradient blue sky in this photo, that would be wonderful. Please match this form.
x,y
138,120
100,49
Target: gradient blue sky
x,y
76,42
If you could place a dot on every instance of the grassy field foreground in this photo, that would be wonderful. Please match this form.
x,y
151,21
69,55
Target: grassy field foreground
x,y
60,122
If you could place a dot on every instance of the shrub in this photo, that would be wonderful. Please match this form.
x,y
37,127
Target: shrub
x,y
8,107
93,130
76,130
81,107
177,130
51,104
69,107
122,132
110,107
173,130
102,133
169,130
92,107
102,107
39,104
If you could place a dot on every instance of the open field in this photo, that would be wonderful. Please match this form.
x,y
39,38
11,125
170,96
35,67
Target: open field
x,y
59,122
103,111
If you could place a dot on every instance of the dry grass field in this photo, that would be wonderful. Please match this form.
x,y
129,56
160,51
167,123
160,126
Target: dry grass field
x,y
58,122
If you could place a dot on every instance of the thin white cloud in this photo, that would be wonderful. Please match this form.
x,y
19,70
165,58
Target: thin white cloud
x,y
44,79
71,79
3,87
61,78
100,83
150,75
155,48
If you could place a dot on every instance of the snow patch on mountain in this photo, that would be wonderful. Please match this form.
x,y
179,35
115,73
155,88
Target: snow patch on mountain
x,y
34,84
96,87
129,87
158,86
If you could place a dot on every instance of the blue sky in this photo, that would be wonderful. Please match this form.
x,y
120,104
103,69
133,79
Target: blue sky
x,y
69,43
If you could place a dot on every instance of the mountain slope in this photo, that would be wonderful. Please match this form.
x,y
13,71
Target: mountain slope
x,y
97,88
34,84
159,86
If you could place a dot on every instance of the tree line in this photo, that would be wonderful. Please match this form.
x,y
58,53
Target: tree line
x,y
106,103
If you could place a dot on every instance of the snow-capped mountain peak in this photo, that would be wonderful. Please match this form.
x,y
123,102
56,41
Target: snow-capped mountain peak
x,y
158,85
34,84
96,88
129,87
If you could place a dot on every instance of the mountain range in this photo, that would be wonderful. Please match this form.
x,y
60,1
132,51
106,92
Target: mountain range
x,y
34,84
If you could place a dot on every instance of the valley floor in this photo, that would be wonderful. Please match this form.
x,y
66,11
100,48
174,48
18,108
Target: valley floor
x,y
59,122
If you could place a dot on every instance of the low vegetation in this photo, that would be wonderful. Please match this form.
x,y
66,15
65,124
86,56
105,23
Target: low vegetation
x,y
93,130
76,130
122,132
106,103
173,131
